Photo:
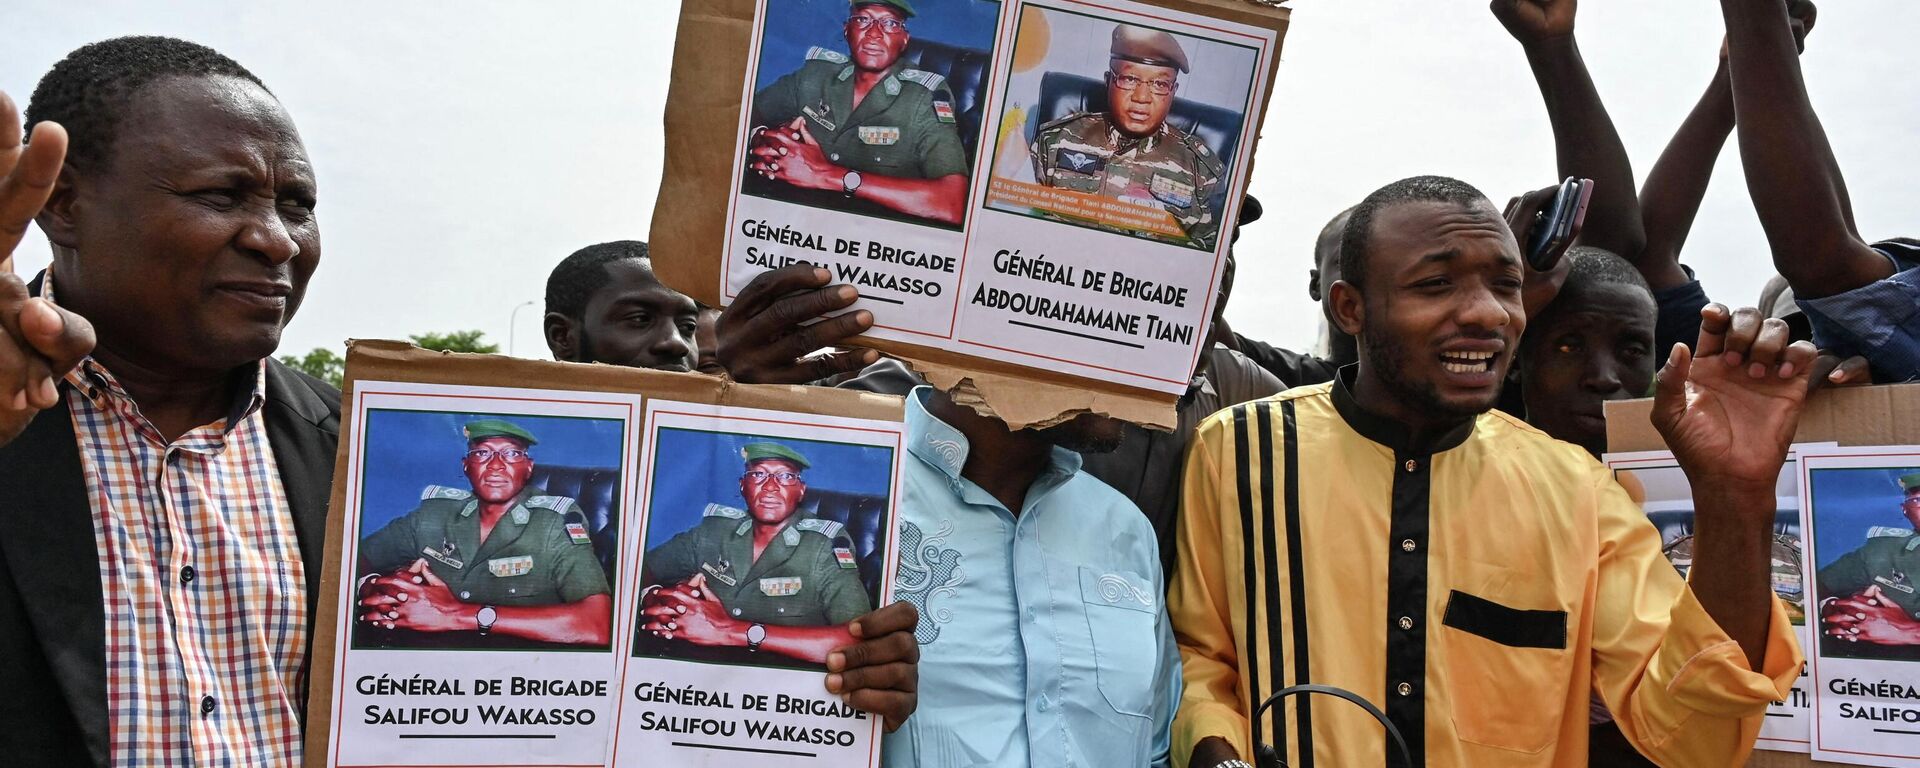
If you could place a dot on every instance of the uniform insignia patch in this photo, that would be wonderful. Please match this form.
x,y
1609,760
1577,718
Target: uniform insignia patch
x,y
879,135
719,573
817,53
445,558
1078,161
780,586
510,566
722,510
845,556
943,111
820,115
578,533
443,492
827,528
1175,193
929,80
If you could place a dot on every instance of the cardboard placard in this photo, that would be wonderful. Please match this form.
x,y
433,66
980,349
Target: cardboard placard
x,y
662,453
1882,415
1058,283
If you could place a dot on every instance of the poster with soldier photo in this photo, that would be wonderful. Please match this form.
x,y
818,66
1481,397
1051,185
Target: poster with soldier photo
x,y
1120,127
764,535
1046,183
1655,480
1863,523
481,554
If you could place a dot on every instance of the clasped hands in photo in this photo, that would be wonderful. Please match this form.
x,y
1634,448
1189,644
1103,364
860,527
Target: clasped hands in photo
x,y
414,598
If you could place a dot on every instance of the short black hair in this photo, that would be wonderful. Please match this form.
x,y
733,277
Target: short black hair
x,y
1358,237
1588,266
580,274
88,91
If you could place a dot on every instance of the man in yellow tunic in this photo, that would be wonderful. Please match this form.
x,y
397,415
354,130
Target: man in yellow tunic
x,y
1390,534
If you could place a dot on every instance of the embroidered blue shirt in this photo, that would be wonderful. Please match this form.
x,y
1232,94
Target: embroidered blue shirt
x,y
1044,638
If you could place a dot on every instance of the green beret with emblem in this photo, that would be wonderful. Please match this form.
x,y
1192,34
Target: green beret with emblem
x,y
1148,46
481,429
753,452
905,8
1910,481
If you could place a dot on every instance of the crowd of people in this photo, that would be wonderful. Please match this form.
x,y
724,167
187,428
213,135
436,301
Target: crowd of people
x,y
1414,514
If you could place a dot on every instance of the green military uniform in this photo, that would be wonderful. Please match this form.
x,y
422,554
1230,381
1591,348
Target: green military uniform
x,y
539,553
903,128
1168,168
807,576
1890,560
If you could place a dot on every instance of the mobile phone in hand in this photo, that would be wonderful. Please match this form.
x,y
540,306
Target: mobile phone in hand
x,y
1558,223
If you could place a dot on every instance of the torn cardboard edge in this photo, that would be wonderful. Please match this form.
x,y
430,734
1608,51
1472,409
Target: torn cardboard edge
x,y
398,361
688,232
1882,415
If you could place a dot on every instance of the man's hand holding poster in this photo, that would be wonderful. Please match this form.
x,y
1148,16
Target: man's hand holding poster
x,y
1044,184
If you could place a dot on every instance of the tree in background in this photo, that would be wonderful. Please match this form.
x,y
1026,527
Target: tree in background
x,y
457,341
322,363
328,366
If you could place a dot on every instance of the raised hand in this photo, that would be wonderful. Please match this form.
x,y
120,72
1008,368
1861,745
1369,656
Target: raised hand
x,y
1728,409
39,342
879,674
1535,21
769,334
1538,288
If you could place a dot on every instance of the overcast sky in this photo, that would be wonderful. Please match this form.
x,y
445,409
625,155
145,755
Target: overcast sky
x,y
464,148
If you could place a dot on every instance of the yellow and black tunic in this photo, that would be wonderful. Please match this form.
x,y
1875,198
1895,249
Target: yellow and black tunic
x,y
1477,585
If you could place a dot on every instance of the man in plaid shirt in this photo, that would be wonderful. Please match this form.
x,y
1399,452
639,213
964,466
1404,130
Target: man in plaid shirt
x,y
164,480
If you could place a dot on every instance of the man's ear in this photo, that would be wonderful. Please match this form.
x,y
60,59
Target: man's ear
x,y
59,218
563,337
1347,307
1313,283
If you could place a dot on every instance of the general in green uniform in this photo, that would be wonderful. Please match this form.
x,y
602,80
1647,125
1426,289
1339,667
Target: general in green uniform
x,y
877,133
1130,152
1889,565
538,554
802,579
502,550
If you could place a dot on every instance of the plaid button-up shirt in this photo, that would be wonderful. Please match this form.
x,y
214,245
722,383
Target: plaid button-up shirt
x,y
205,592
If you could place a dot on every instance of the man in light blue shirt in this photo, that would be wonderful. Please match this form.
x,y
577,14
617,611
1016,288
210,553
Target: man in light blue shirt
x,y
1044,640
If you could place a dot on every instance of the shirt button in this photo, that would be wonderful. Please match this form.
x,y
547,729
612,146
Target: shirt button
x,y
1043,705
1405,689
736,611
1407,545
834,157
1412,465
465,595
186,574
206,705
1406,622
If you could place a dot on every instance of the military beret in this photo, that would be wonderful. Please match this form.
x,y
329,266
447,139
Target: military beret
x,y
905,8
753,452
1250,210
1148,46
481,429
1910,481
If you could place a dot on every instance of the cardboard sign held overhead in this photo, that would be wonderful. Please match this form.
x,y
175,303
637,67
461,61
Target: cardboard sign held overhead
x,y
1034,198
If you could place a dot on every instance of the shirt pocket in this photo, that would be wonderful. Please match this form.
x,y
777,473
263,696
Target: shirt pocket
x,y
1506,670
1122,610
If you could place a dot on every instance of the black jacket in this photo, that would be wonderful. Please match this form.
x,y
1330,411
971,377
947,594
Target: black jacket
x,y
53,685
